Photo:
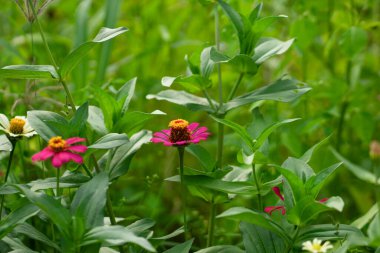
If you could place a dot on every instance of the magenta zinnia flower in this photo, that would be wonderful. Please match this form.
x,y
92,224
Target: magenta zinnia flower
x,y
271,209
61,151
181,133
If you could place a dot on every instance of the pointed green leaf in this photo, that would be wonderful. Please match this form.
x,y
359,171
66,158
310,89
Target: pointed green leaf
x,y
28,72
366,218
47,124
125,94
269,48
221,249
33,233
181,248
308,154
112,140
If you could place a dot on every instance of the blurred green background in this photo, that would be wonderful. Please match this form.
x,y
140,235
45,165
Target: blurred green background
x,y
337,53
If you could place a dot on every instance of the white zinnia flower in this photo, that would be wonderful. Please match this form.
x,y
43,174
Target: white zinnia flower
x,y
316,246
16,127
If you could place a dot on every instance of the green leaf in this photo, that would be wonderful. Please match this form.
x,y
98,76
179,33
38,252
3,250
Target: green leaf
x,y
262,24
255,218
59,215
47,124
133,122
181,248
203,156
353,41
307,209
314,184
5,144
78,122
192,102
141,226
16,217
114,236
308,154
96,120
374,231
265,134
260,240
359,172
33,233
17,245
366,218
326,232
112,140
108,105
207,65
238,129
269,48
89,201
66,181
255,13
125,94
75,56
298,167
241,62
192,83
123,155
221,249
283,90
295,183
28,72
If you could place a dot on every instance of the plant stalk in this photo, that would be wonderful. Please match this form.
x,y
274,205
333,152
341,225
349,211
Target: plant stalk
x,y
257,186
57,185
14,142
236,86
181,151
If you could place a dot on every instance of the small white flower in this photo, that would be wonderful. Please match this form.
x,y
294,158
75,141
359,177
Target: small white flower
x,y
16,127
316,246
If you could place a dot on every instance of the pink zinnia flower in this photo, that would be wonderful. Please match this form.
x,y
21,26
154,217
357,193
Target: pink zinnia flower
x,y
61,151
271,209
181,133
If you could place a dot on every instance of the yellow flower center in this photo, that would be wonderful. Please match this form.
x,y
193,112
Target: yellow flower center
x,y
317,246
179,131
16,126
57,144
178,124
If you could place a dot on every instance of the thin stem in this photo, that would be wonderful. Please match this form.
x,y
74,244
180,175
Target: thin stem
x,y
290,246
57,186
14,142
205,93
88,172
181,151
112,216
236,86
55,65
257,186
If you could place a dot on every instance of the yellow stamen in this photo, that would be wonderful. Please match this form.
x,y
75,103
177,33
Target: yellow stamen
x,y
178,124
57,144
17,126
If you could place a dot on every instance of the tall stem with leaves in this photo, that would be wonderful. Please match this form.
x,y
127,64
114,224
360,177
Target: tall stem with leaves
x,y
181,151
7,173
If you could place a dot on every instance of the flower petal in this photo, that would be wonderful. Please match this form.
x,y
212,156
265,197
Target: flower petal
x,y
278,192
4,122
193,126
74,140
79,148
161,135
56,161
43,155
29,134
271,209
64,157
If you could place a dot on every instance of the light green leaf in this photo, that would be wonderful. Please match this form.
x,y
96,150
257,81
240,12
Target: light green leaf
x,y
75,56
96,120
282,90
110,141
269,48
183,98
33,233
353,41
28,72
366,218
47,124
308,154
221,249
125,94
66,181
192,83
203,156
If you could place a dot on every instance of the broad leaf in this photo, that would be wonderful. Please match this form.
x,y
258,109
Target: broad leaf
x,y
181,248
28,72
31,232
109,141
192,83
78,122
66,181
75,56
47,124
269,48
203,156
125,94
366,218
221,249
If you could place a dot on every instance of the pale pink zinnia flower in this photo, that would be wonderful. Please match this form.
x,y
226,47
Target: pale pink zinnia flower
x,y
181,133
61,151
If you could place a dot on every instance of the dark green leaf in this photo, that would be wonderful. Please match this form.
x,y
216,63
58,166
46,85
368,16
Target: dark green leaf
x,y
79,119
314,184
34,234
126,93
66,181
203,156
112,140
47,124
221,249
308,154
181,248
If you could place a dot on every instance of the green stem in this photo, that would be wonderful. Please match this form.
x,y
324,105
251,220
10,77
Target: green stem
x,y
181,151
211,225
112,216
205,93
290,246
257,186
88,172
14,142
57,186
236,86
55,65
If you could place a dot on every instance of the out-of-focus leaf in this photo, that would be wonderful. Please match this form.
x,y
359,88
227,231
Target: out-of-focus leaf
x,y
5,144
78,122
353,41
282,90
110,141
309,153
33,233
260,240
89,201
221,249
75,56
192,83
183,98
66,181
28,72
125,94
366,218
314,183
374,231
203,156
114,236
17,245
359,172
181,248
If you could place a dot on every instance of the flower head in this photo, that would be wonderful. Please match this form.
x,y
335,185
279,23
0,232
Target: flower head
x,y
17,127
61,151
181,133
316,246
